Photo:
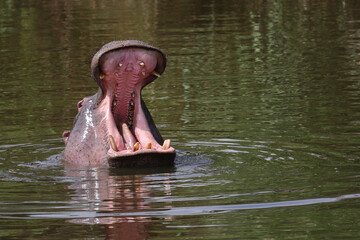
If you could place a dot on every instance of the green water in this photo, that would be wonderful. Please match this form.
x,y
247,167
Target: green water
x,y
260,98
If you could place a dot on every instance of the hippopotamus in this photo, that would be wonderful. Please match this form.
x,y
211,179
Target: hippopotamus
x,y
114,126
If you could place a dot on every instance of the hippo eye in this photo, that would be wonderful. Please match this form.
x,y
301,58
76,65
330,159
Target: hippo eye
x,y
141,63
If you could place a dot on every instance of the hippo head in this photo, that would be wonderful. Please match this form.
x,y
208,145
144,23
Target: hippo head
x,y
115,122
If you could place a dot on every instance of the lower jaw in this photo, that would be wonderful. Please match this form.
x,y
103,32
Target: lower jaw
x,y
143,158
134,154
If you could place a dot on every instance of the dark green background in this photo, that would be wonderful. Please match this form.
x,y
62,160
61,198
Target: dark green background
x,y
261,99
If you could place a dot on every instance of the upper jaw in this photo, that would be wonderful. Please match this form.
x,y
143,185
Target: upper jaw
x,y
116,45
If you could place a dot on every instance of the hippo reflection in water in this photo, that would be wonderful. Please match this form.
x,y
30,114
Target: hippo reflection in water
x,y
114,126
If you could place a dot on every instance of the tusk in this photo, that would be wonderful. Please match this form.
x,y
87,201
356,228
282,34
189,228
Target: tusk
x,y
112,143
156,74
166,144
148,145
127,135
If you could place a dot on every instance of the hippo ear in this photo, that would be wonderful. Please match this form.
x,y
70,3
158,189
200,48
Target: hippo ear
x,y
66,135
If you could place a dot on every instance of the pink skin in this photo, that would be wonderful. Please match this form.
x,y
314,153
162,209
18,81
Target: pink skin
x,y
124,73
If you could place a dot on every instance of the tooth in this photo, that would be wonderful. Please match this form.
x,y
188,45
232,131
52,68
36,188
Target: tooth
x,y
127,135
101,76
120,64
116,95
141,63
143,73
166,144
136,146
112,143
148,145
156,74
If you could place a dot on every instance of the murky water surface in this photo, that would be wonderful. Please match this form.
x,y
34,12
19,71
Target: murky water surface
x,y
261,99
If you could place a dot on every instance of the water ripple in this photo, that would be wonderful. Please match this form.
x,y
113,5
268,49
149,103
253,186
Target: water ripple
x,y
176,211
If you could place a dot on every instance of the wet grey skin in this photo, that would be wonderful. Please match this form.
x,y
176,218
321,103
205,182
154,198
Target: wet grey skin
x,y
114,126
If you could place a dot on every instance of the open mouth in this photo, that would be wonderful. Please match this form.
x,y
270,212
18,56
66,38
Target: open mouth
x,y
132,134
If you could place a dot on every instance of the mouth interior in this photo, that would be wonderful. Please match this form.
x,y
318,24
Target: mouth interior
x,y
123,73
